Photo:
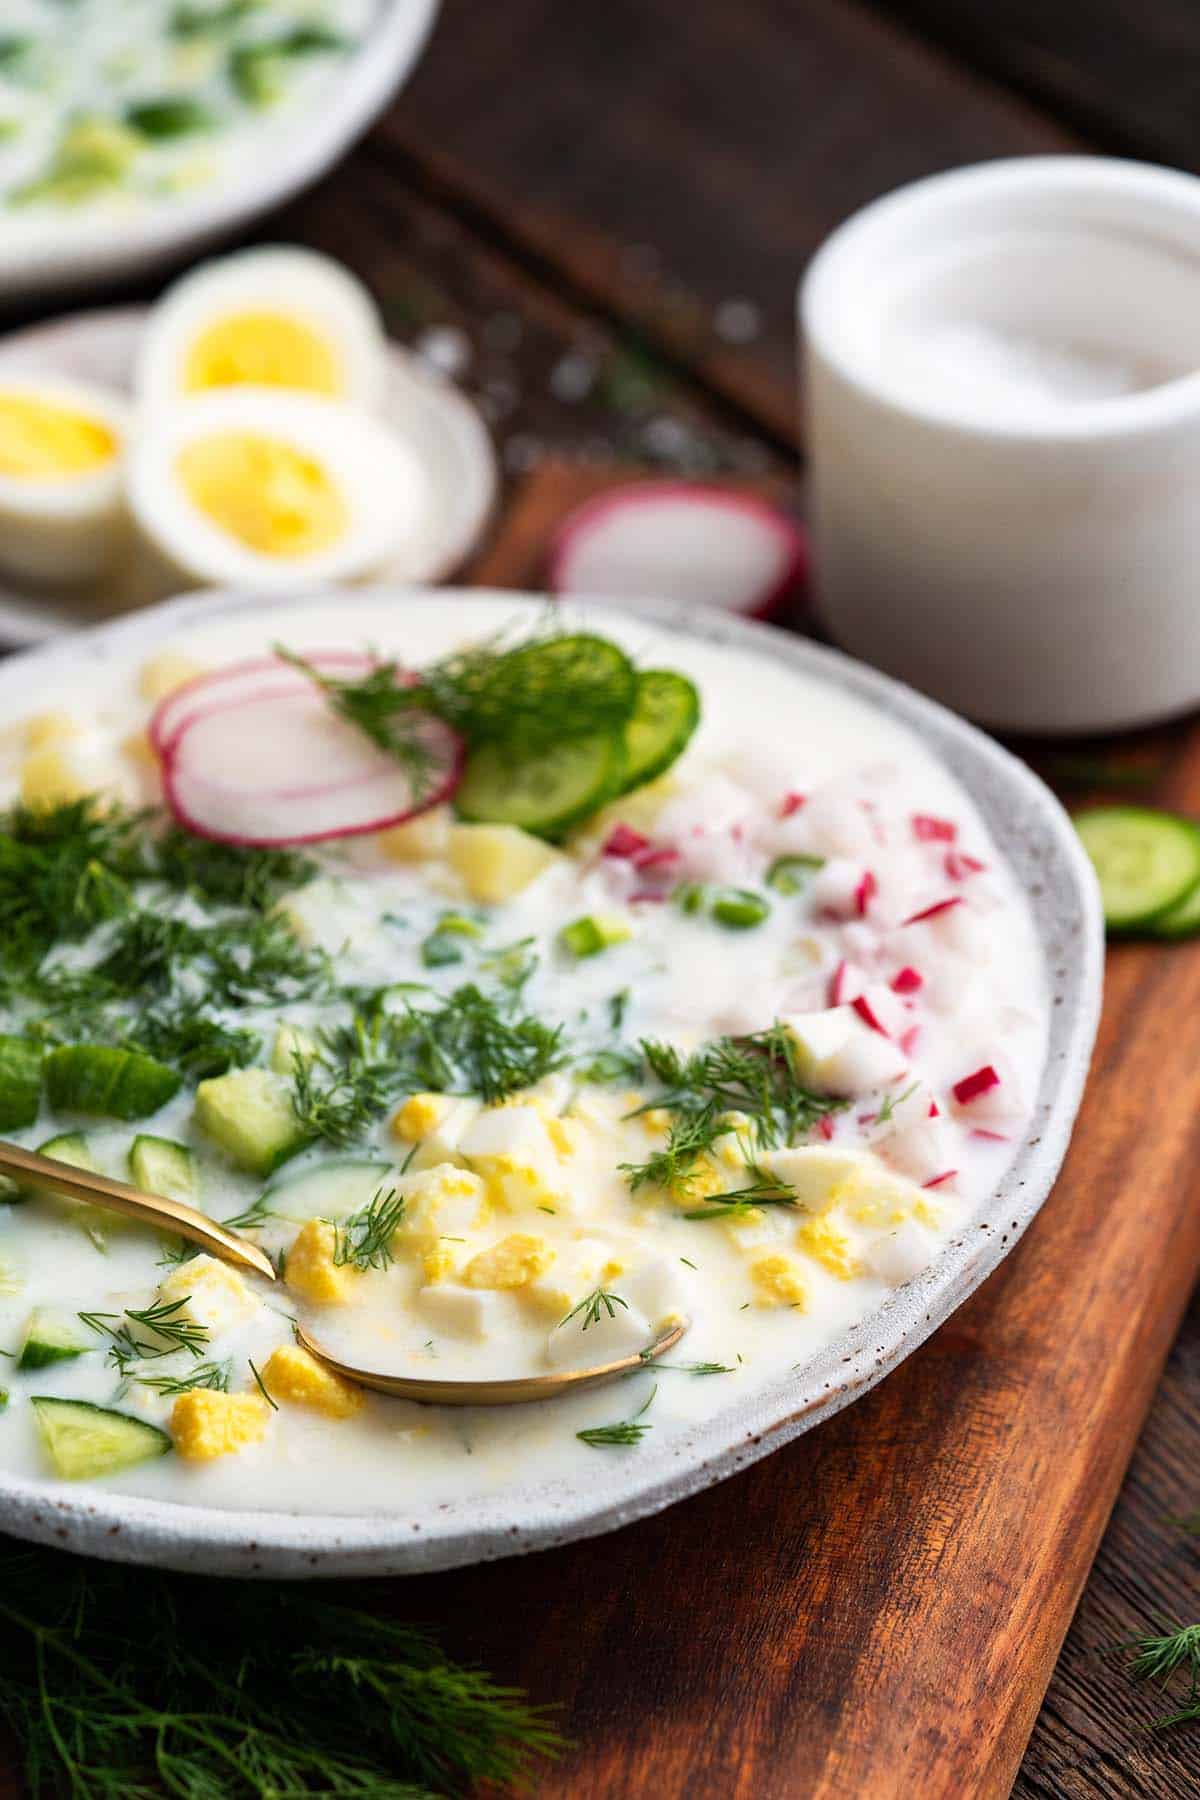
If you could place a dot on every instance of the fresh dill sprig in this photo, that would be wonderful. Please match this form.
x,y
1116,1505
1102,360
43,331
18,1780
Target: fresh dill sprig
x,y
257,1213
1158,1658
261,1385
761,1190
172,1330
591,1307
364,1240
625,1431
226,874
195,1697
696,1368
205,1375
674,1167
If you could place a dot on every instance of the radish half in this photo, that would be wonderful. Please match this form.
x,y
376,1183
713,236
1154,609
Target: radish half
x,y
269,765
682,540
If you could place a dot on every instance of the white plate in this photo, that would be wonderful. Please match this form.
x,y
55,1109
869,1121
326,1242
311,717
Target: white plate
x,y
1033,832
446,431
82,248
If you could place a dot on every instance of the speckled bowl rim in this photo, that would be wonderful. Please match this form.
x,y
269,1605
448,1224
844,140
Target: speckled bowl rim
x,y
1034,833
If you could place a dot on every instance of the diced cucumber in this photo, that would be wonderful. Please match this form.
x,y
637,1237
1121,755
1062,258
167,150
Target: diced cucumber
x,y
249,1114
333,1190
114,1084
291,1043
1181,921
546,790
1148,862
440,949
589,935
666,711
83,1440
50,1337
792,874
20,1082
70,1147
160,1166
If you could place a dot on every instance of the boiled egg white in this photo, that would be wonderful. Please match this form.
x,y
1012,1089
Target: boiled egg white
x,y
254,487
277,317
62,444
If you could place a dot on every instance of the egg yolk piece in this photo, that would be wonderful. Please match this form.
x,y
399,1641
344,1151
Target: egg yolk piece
x,y
263,348
42,441
273,498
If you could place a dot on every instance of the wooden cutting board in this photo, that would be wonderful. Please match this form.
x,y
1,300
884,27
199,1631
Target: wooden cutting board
x,y
875,1610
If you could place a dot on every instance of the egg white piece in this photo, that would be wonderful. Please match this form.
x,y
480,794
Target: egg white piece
x,y
62,448
255,487
278,317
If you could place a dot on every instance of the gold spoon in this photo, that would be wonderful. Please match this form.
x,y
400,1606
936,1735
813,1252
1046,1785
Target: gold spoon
x,y
46,1172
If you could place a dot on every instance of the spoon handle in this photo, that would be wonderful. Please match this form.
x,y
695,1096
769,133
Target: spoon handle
x,y
34,1170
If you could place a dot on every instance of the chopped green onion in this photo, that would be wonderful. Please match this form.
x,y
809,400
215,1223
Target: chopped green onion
x,y
740,910
792,874
589,935
689,897
438,951
170,118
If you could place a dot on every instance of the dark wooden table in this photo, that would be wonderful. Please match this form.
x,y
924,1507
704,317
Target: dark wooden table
x,y
596,216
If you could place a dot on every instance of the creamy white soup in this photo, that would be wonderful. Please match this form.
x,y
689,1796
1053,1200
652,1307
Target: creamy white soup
x,y
740,1050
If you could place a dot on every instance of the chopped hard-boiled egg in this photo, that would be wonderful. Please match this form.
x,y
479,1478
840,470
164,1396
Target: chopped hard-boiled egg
x,y
292,1375
418,840
162,674
778,1281
511,1148
278,317
512,1263
311,1271
258,486
62,444
206,1423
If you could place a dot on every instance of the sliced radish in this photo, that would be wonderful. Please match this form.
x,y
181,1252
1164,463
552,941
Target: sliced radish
x,y
935,911
864,893
846,983
682,540
929,830
255,679
623,841
958,865
278,767
947,1175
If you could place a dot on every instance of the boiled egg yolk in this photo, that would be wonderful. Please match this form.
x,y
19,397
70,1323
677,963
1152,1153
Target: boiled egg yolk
x,y
265,349
273,498
43,441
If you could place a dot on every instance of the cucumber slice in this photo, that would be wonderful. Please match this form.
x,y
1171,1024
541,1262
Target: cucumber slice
x,y
1183,920
544,791
20,1082
83,1441
115,1084
666,711
160,1166
70,1147
249,1114
50,1337
1148,861
334,1190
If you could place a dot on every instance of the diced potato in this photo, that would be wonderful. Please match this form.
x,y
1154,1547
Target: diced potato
x,y
45,729
512,1263
441,1203
291,1042
512,1150
48,779
420,839
819,1174
207,1423
291,1374
777,1281
310,1270
213,1294
497,862
162,674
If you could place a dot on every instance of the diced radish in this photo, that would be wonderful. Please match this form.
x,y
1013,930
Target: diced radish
x,y
879,1008
958,865
826,1127
682,540
934,1110
980,1081
282,768
908,1040
935,911
990,1137
917,1147
259,678
864,893
946,1175
929,830
834,888
901,1255
791,803
907,981
835,824
624,841
846,983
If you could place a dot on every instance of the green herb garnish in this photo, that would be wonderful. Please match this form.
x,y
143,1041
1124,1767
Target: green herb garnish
x,y
171,1329
625,1431
591,1307
364,1240
204,1375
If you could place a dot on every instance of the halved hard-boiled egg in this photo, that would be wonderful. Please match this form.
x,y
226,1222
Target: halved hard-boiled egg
x,y
62,444
278,317
255,488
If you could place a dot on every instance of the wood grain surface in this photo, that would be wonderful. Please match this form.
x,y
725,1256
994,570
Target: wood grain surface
x,y
876,1609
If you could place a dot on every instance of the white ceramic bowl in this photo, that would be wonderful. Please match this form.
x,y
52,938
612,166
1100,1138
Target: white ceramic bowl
x,y
84,248
1033,832
1003,390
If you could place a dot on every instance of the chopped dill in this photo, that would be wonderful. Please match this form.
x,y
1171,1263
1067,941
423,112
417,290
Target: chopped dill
x,y
891,1101
205,1375
364,1240
695,1368
761,1190
625,1431
591,1307
254,1215
171,1329
261,1385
